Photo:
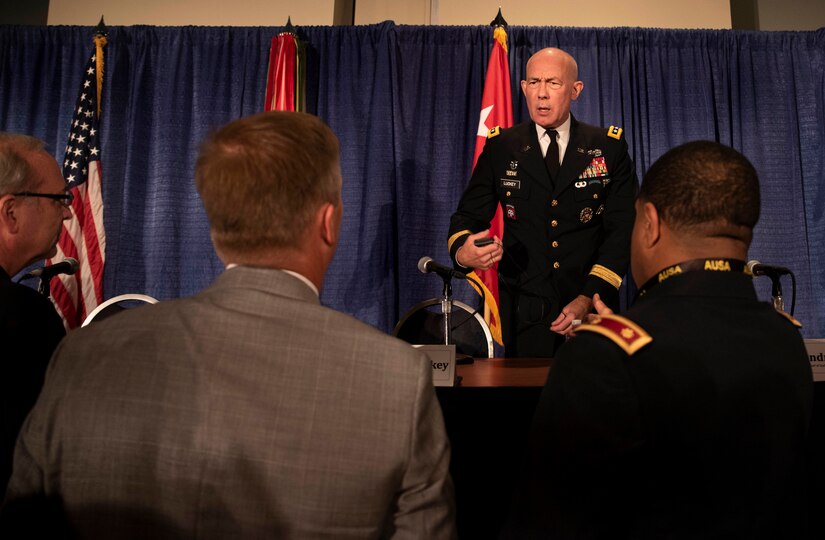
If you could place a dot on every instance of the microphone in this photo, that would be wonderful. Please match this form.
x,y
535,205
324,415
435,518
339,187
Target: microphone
x,y
758,269
427,264
67,266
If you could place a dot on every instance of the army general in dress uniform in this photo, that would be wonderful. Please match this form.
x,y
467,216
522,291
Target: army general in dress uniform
x,y
566,190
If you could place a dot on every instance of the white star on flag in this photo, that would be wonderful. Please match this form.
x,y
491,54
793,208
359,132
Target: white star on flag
x,y
483,129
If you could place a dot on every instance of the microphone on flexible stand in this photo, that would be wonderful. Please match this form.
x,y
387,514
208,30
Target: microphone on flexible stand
x,y
427,265
67,266
758,269
774,272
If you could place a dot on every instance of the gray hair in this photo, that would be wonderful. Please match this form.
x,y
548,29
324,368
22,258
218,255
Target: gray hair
x,y
15,172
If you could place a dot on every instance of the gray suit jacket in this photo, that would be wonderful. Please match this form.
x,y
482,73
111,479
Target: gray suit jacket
x,y
246,411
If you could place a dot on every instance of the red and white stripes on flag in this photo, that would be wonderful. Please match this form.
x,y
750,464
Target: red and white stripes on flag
x,y
285,78
83,236
496,110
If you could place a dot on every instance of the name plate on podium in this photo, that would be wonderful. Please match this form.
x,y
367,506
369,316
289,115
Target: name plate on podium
x,y
442,358
816,354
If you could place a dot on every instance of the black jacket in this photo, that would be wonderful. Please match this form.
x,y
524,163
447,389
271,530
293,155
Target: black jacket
x,y
698,434
560,240
30,329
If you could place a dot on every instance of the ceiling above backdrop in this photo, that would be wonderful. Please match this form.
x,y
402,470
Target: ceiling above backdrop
x,y
712,14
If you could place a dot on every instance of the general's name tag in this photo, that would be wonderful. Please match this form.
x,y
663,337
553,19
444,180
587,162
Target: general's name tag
x,y
442,359
510,184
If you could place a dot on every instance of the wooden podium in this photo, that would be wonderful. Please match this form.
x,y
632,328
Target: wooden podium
x,y
488,416
504,372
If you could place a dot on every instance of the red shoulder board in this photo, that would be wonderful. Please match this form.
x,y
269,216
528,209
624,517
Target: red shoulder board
x,y
790,318
621,331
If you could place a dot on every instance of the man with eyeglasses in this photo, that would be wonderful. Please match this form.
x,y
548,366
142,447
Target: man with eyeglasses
x,y
566,191
33,206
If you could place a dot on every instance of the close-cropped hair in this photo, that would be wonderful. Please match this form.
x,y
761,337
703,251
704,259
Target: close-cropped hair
x,y
704,187
263,177
15,171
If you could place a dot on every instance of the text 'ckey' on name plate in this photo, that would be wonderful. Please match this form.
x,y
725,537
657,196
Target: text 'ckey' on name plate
x,y
442,358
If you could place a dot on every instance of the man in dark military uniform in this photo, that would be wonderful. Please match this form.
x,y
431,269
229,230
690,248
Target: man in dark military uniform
x,y
567,221
688,417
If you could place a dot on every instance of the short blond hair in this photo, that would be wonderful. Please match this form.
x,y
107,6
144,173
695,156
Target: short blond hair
x,y
261,178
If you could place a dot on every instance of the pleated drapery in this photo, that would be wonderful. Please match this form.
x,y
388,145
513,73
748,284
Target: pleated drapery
x,y
404,102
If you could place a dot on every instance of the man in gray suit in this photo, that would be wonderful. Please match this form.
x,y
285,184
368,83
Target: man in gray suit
x,y
248,410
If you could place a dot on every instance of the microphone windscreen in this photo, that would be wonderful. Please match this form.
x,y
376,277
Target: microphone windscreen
x,y
73,265
422,264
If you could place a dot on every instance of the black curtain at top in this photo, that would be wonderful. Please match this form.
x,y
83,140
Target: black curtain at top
x,y
404,101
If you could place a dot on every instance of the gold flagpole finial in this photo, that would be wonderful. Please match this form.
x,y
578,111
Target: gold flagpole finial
x,y
101,38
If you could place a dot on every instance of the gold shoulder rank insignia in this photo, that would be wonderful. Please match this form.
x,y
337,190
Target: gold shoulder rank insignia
x,y
615,132
621,331
494,132
790,318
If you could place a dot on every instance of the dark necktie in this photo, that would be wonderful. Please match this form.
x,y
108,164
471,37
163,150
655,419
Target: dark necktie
x,y
551,158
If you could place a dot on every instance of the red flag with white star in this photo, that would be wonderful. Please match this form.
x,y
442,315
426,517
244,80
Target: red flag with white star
x,y
496,110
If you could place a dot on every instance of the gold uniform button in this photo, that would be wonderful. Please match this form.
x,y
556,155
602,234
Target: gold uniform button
x,y
555,244
508,193
554,223
554,202
595,195
556,265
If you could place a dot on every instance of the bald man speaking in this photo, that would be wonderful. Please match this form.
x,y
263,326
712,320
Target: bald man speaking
x,y
566,190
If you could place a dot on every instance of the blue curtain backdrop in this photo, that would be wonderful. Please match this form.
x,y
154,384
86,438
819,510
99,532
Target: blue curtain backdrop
x,y
404,101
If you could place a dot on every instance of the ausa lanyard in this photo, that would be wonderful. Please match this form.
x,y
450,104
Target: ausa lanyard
x,y
693,265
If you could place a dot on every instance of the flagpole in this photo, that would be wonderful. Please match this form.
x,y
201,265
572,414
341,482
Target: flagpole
x,y
83,237
101,38
286,73
496,111
498,22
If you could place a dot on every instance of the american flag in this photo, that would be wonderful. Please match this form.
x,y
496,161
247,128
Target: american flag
x,y
83,236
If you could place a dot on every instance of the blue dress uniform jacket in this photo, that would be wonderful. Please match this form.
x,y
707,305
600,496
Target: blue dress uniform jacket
x,y
562,238
697,432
